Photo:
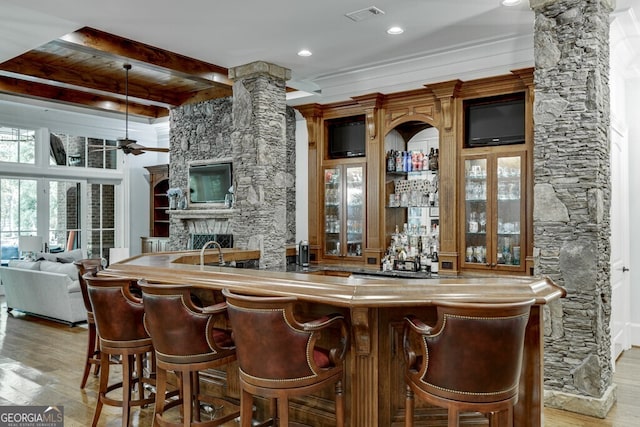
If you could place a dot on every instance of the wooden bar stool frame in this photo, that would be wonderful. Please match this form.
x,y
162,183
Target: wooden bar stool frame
x,y
84,266
278,357
469,361
171,315
119,323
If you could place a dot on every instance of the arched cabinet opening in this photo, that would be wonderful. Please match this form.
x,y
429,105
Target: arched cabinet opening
x,y
412,220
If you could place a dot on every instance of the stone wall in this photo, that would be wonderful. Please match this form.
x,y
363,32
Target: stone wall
x,y
260,158
197,132
572,198
203,131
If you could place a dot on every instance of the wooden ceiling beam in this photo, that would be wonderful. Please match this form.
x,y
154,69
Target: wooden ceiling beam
x,y
180,65
35,64
30,89
207,94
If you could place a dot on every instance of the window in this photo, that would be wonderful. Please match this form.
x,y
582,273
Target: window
x,y
50,196
18,214
101,219
66,203
17,145
64,215
81,151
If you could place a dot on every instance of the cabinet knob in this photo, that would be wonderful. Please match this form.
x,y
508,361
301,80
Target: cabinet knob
x,y
624,269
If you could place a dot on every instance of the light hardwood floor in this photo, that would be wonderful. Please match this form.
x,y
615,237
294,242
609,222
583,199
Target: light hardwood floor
x,y
41,363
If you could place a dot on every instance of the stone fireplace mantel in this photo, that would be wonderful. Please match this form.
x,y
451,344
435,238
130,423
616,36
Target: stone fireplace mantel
x,y
191,214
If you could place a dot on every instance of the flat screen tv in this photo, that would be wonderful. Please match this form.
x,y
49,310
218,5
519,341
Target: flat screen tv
x,y
347,137
210,183
494,121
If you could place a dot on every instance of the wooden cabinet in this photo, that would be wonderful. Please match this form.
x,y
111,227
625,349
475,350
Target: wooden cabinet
x,y
443,106
492,214
159,202
154,244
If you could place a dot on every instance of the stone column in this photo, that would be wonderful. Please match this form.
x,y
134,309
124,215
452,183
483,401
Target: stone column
x,y
259,160
572,198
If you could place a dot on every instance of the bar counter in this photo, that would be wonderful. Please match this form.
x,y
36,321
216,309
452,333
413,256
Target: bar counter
x,y
376,308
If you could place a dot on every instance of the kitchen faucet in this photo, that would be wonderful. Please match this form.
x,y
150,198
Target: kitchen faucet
x,y
205,246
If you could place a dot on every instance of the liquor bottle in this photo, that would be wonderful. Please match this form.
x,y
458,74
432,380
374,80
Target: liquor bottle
x,y
428,262
398,161
433,160
391,161
435,263
425,162
407,161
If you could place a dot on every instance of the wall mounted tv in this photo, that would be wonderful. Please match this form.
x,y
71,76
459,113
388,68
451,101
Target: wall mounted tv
x,y
347,137
496,120
210,182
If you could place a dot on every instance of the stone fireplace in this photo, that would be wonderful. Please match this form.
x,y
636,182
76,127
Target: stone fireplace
x,y
211,131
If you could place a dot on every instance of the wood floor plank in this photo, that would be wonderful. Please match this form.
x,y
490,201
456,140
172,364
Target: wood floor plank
x,y
41,363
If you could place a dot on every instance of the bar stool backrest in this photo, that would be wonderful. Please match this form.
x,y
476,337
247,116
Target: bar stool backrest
x,y
118,313
472,354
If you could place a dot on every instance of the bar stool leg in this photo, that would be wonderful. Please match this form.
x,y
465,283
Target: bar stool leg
x,y
501,418
246,408
339,405
161,388
127,373
283,411
187,395
408,408
91,353
102,390
195,378
453,417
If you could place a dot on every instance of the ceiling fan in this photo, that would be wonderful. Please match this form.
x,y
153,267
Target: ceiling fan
x,y
129,146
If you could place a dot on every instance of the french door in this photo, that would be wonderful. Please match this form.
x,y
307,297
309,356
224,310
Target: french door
x,y
68,214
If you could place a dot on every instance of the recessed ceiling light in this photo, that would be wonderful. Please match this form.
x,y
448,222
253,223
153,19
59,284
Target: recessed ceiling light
x,y
395,30
305,52
509,3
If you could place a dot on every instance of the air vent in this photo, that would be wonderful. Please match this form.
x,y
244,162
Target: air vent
x,y
366,13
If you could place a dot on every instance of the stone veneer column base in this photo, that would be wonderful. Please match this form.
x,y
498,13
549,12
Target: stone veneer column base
x,y
586,405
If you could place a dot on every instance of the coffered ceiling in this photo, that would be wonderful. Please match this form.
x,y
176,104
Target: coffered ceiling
x,y
72,52
86,68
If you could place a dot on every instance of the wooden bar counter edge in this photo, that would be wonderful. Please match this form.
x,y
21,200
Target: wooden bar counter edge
x,y
376,308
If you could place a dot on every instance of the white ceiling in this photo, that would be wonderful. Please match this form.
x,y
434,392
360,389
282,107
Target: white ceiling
x,y
443,39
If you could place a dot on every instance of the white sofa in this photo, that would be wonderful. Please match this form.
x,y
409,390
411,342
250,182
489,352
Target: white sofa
x,y
44,288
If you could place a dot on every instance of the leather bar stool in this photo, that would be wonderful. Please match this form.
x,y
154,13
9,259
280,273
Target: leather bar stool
x,y
119,322
470,360
280,357
186,342
84,266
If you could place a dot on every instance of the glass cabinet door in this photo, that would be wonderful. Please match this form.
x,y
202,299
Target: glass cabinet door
x,y
494,212
476,211
344,211
332,210
354,210
509,210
